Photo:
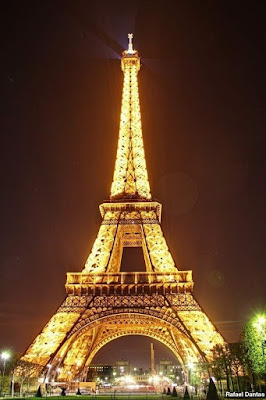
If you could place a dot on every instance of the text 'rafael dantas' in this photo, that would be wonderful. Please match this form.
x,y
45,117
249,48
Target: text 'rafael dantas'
x,y
245,394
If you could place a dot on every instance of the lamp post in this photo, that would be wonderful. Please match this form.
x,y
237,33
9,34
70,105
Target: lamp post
x,y
5,356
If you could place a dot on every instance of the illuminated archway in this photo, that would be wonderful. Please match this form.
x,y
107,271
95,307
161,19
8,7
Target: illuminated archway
x,y
133,353
78,351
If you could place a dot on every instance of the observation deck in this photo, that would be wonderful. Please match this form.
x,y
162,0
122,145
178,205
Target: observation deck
x,y
131,207
123,283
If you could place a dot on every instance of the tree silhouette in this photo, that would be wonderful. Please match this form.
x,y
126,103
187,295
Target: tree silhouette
x,y
186,395
174,393
212,391
39,392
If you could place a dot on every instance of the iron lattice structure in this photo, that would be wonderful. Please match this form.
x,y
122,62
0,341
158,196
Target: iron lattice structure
x,y
103,303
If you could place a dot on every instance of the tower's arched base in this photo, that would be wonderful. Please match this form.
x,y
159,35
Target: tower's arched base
x,y
94,314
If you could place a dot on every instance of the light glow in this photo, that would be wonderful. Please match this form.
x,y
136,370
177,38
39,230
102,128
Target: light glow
x,y
5,355
129,379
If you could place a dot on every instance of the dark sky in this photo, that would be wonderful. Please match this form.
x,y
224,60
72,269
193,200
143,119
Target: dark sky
x,y
203,102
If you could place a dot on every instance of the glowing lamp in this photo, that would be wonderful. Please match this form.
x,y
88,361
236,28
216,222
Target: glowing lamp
x,y
190,365
5,355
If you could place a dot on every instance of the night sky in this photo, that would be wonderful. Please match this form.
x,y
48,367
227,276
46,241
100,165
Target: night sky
x,y
203,102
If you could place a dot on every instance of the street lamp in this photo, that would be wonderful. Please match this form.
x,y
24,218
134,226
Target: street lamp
x,y
5,356
190,365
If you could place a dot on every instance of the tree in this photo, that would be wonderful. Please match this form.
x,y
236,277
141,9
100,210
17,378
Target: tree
x,y
174,393
39,392
24,371
186,395
212,391
221,367
254,338
237,361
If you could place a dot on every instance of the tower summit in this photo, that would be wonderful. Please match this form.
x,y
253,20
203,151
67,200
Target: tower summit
x,y
130,179
130,44
102,303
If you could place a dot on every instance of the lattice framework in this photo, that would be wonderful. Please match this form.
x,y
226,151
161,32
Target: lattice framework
x,y
102,303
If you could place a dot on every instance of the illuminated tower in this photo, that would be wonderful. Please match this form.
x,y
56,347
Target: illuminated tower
x,y
103,303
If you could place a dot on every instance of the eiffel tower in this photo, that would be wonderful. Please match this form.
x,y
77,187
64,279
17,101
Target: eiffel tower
x,y
101,302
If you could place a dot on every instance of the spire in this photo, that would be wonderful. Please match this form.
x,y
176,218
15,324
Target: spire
x,y
130,44
130,179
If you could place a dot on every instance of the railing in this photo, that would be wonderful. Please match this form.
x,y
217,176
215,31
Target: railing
x,y
124,278
129,282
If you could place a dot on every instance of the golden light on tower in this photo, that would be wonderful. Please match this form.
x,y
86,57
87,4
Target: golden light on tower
x,y
102,303
130,176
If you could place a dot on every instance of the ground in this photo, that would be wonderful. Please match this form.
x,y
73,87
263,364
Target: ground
x,y
110,396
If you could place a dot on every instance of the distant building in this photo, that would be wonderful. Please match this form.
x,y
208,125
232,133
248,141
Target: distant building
x,y
168,368
108,372
142,379
95,371
123,367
